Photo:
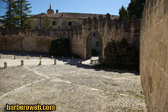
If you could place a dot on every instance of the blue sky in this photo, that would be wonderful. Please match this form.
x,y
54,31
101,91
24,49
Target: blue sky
x,y
76,6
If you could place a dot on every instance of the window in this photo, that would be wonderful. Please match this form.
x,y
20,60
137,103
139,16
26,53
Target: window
x,y
54,23
94,34
70,23
97,44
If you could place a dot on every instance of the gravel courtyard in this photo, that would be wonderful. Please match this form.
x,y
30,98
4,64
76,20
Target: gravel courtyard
x,y
71,87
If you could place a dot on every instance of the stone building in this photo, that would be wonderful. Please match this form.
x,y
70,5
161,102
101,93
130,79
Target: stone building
x,y
58,20
86,32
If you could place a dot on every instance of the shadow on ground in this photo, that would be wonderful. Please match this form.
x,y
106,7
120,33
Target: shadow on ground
x,y
73,62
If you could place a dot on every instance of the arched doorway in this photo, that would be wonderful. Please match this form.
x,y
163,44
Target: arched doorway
x,y
94,45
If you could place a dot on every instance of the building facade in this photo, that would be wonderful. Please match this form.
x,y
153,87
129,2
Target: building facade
x,y
51,20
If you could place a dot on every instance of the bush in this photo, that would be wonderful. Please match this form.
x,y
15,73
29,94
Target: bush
x,y
60,47
121,54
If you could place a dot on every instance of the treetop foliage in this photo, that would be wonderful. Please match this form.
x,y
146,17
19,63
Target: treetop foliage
x,y
123,13
16,15
134,8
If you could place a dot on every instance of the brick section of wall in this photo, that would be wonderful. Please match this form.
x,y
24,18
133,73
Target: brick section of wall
x,y
154,54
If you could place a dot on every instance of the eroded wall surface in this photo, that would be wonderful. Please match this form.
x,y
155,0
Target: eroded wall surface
x,y
154,55
29,40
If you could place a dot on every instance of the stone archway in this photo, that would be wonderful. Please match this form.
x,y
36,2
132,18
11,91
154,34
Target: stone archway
x,y
94,45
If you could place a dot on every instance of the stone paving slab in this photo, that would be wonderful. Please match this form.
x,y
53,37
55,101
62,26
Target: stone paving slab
x,y
72,88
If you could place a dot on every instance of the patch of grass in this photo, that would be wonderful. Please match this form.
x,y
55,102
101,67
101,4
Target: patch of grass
x,y
115,84
110,83
142,92
135,94
139,96
111,95
130,110
105,82
107,93
115,96
131,92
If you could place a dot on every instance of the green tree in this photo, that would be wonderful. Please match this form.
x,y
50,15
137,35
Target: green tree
x,y
22,11
136,8
123,13
9,18
16,14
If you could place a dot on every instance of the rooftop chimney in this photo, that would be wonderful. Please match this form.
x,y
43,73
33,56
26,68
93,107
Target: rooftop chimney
x,y
56,11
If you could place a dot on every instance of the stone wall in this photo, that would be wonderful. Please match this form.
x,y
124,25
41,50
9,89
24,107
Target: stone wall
x,y
154,55
108,29
39,40
29,40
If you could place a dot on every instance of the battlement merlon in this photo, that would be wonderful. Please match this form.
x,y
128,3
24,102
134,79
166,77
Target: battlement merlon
x,y
110,23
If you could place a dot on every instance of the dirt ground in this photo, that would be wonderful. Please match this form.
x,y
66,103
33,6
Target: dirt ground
x,y
71,87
